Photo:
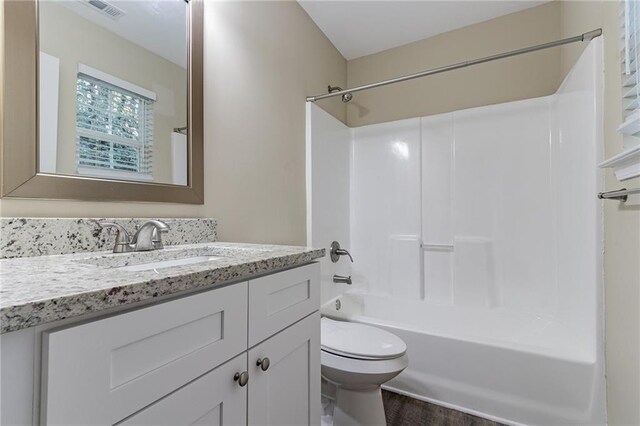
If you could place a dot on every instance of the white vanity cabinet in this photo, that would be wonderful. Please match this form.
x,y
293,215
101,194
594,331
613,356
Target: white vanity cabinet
x,y
105,370
288,391
211,400
180,361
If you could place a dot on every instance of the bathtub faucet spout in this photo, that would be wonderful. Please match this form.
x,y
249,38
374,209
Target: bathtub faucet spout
x,y
339,279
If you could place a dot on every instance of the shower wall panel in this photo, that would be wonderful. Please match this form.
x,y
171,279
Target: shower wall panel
x,y
327,167
489,208
437,206
385,208
504,240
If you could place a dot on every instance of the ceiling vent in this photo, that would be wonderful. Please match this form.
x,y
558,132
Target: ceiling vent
x,y
105,8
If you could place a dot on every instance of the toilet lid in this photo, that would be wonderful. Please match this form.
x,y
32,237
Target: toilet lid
x,y
359,341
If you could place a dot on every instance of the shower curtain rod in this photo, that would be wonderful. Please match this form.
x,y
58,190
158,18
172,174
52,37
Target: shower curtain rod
x,y
579,38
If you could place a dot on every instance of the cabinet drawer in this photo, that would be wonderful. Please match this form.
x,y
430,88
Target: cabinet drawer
x,y
213,399
277,301
103,371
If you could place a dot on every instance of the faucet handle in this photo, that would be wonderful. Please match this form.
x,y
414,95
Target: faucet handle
x,y
343,252
160,225
122,236
336,252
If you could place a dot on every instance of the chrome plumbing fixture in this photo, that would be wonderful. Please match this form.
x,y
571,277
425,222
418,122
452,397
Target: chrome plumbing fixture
x,y
336,252
346,97
148,237
339,279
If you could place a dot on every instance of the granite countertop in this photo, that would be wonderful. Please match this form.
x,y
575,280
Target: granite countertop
x,y
38,290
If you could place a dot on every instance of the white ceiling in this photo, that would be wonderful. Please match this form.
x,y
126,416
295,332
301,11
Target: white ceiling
x,y
362,27
157,25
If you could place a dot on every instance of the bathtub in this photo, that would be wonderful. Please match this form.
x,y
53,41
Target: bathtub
x,y
498,364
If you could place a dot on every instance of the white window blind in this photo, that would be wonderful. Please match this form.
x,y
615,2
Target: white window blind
x,y
630,26
114,130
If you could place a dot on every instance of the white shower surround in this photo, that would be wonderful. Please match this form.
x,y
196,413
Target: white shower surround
x,y
477,238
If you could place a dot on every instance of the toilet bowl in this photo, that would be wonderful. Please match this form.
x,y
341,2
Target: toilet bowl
x,y
358,359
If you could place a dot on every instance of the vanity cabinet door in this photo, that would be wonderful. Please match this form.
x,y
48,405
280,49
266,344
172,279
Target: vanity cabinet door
x,y
213,399
278,300
103,371
287,393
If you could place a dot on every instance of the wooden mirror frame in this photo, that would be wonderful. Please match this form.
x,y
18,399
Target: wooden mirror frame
x,y
19,177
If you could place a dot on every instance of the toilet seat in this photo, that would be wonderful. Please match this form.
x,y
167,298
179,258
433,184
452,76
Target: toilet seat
x,y
363,366
359,341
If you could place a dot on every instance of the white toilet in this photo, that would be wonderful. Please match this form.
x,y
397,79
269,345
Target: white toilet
x,y
358,359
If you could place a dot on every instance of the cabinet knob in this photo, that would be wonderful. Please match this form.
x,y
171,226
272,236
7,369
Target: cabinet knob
x,y
241,378
263,363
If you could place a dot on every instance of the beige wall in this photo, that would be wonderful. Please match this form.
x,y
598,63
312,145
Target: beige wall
x,y
622,223
262,60
75,40
522,77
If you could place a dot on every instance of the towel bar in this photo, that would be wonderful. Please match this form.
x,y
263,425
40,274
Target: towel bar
x,y
620,194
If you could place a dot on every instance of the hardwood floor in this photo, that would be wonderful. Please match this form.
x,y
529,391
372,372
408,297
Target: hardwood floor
x,y
401,410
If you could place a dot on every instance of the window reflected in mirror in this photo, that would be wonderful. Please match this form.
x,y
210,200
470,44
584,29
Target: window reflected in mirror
x,y
113,89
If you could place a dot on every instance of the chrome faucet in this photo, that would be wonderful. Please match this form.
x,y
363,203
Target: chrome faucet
x,y
339,279
336,252
147,237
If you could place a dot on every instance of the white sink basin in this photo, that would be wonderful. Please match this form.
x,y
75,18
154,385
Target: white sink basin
x,y
169,263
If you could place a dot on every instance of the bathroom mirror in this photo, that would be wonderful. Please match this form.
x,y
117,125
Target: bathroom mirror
x,y
111,108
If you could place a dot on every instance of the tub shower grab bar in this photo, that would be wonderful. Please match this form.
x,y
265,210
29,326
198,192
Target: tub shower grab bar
x,y
436,247
620,194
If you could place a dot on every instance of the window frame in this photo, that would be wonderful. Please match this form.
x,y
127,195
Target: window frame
x,y
141,144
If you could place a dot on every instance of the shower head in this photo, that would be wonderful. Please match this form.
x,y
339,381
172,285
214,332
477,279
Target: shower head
x,y
345,98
